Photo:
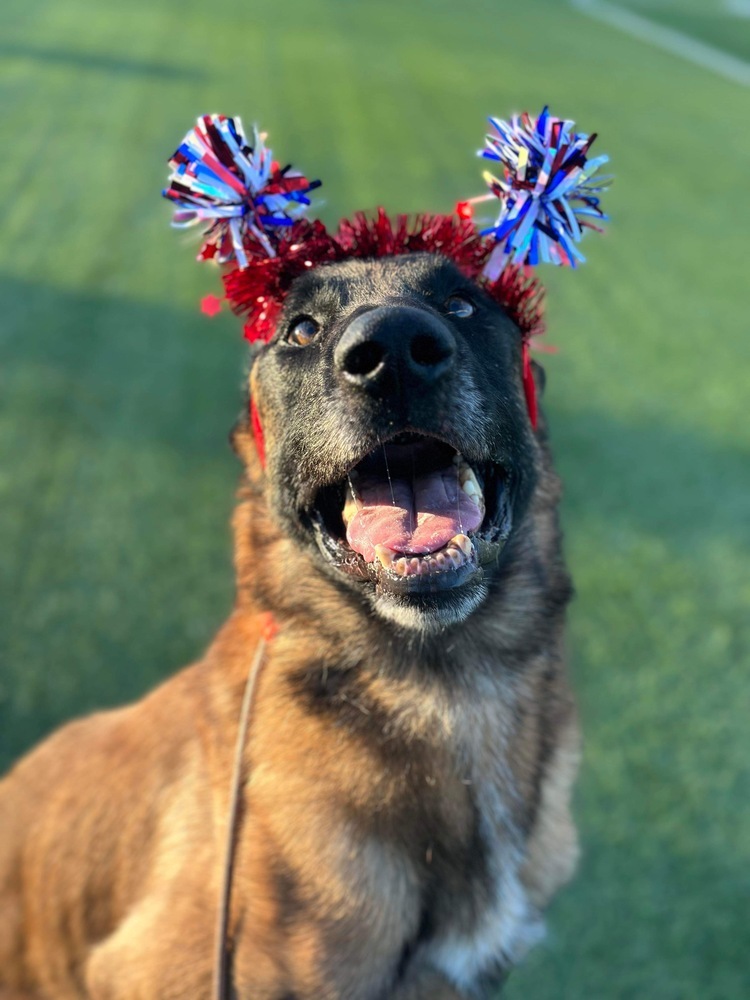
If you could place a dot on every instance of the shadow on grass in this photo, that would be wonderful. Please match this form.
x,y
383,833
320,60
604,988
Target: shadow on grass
x,y
115,64
91,366
116,486
649,479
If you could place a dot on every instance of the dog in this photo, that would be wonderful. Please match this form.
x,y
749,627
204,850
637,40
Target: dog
x,y
404,818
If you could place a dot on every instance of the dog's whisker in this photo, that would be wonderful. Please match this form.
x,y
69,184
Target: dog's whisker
x,y
357,500
388,473
413,505
458,498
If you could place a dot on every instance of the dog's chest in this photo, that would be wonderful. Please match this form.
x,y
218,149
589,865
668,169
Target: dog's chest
x,y
499,924
494,924
442,764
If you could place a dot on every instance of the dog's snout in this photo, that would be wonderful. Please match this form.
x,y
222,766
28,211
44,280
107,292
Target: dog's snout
x,y
401,341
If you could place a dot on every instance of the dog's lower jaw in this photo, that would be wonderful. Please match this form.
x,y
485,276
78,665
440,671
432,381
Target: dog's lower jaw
x,y
430,614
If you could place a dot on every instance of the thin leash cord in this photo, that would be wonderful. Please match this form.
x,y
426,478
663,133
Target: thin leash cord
x,y
222,950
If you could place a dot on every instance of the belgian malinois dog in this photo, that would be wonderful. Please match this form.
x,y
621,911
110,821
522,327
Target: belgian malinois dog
x,y
404,818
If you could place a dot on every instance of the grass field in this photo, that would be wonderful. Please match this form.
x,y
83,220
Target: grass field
x,y
116,395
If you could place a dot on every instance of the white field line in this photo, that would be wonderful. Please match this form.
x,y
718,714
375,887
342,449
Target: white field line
x,y
672,41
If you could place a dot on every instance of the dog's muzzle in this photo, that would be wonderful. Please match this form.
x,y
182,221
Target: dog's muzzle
x,y
412,515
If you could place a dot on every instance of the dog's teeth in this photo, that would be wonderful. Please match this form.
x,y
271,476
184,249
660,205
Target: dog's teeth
x,y
469,481
351,506
464,543
456,557
385,555
470,485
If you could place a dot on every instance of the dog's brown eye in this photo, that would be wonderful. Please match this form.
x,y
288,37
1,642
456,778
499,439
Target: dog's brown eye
x,y
458,306
302,331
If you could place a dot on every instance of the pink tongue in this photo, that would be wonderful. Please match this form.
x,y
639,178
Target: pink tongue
x,y
416,518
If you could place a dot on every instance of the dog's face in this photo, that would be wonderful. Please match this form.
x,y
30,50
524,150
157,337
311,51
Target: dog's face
x,y
399,449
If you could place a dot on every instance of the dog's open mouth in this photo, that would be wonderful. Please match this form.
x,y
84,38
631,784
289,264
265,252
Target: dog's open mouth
x,y
414,515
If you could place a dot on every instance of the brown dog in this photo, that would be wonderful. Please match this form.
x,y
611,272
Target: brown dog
x,y
413,741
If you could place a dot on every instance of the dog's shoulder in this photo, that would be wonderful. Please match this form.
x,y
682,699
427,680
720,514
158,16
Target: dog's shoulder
x,y
83,815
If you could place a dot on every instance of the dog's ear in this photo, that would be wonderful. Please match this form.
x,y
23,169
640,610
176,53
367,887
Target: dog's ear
x,y
540,377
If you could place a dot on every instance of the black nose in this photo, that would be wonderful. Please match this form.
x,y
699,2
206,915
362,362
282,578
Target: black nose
x,y
394,341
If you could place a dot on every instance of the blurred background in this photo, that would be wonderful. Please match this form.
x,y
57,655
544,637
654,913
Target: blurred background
x,y
116,394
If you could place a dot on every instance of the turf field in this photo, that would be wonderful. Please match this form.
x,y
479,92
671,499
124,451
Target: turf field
x,y
116,395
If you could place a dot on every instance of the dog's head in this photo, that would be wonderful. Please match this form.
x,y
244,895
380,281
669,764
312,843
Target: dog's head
x,y
394,390
399,453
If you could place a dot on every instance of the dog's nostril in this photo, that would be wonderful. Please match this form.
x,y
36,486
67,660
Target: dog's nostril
x,y
364,358
429,351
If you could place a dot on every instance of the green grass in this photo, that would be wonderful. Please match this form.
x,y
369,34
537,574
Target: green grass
x,y
116,482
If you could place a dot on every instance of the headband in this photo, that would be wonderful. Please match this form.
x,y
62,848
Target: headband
x,y
253,215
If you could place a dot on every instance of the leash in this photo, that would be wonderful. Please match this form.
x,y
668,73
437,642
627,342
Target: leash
x,y
222,944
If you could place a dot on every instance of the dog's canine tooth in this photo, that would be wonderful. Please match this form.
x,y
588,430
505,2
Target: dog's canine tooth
x,y
351,504
469,482
385,555
464,543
